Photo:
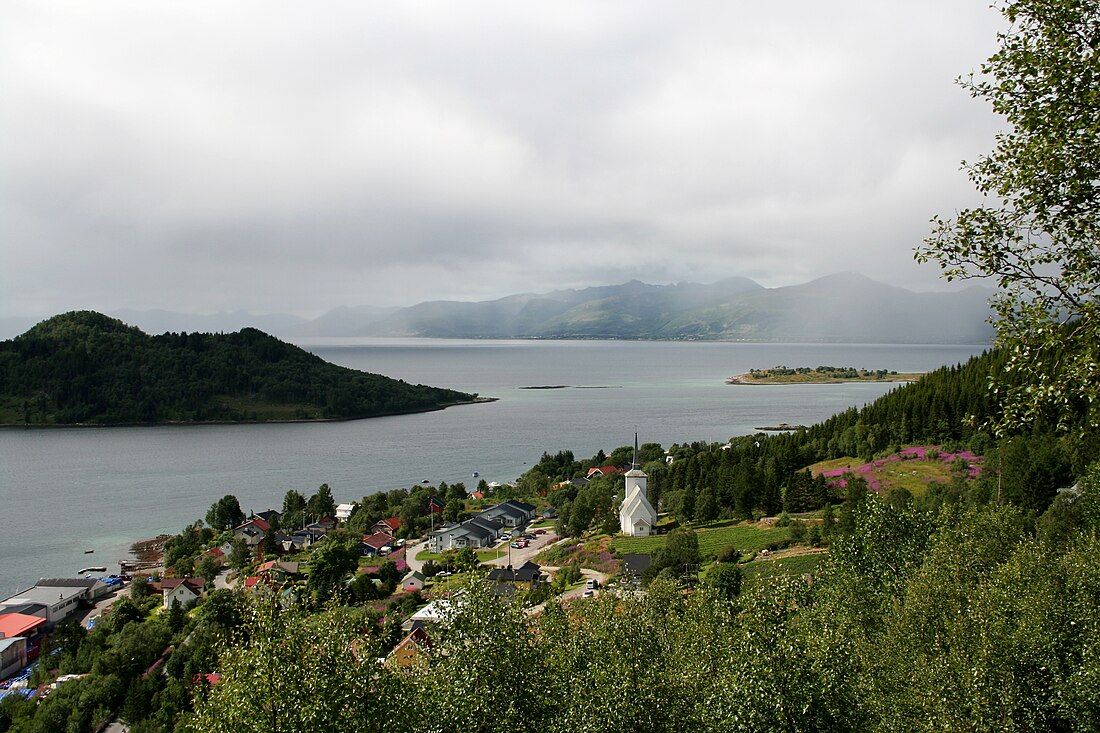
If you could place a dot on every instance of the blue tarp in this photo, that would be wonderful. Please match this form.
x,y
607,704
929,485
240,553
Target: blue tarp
x,y
25,692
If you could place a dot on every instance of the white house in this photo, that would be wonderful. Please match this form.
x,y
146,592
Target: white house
x,y
637,517
413,581
184,591
343,512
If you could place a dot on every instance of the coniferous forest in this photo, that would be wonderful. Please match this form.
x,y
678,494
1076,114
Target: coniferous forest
x,y
84,367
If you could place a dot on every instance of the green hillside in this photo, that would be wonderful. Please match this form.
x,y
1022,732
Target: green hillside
x,y
87,368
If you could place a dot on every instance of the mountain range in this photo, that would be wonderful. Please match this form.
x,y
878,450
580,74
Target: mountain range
x,y
840,308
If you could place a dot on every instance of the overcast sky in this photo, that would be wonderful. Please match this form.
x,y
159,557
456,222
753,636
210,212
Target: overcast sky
x,y
292,157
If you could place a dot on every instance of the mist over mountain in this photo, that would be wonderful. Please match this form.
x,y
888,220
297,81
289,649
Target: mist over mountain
x,y
840,308
845,307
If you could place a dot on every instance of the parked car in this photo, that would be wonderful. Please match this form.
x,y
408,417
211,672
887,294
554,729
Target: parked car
x,y
592,584
515,545
589,593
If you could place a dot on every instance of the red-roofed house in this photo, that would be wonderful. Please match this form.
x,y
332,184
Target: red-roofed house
x,y
389,526
372,544
604,471
214,553
183,591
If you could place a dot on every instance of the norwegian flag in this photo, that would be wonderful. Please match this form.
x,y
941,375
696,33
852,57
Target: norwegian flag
x,y
435,504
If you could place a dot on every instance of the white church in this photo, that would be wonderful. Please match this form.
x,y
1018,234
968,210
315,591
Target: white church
x,y
636,515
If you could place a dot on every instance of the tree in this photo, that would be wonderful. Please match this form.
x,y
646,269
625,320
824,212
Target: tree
x,y
225,513
207,568
322,504
1037,236
239,555
726,580
330,564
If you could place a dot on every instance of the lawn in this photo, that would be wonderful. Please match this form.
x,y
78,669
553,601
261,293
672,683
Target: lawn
x,y
744,536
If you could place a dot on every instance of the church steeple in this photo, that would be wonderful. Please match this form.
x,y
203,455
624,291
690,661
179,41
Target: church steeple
x,y
635,463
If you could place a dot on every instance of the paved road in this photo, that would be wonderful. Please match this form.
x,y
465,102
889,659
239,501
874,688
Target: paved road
x,y
516,557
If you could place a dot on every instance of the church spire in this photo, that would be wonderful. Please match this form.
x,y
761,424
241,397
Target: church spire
x,y
635,463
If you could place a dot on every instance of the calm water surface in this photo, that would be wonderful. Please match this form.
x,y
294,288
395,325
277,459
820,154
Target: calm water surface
x,y
69,490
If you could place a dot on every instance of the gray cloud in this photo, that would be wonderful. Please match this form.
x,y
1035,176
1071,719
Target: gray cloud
x,y
288,157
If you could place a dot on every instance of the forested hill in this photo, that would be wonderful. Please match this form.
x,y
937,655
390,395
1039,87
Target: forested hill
x,y
85,367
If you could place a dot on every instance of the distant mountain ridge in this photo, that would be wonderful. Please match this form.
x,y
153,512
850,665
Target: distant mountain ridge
x,y
840,308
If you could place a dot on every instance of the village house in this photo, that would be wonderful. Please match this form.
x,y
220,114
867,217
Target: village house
x,y
389,526
344,511
511,513
529,573
184,591
412,651
375,544
413,581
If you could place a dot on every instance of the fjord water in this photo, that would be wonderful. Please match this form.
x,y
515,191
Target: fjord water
x,y
66,491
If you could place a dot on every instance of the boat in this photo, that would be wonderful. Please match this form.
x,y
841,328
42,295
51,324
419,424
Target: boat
x,y
476,474
88,552
92,569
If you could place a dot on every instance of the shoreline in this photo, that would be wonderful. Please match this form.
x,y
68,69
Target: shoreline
x,y
747,380
48,426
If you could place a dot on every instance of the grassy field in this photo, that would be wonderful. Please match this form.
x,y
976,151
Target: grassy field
x,y
744,536
758,570
912,474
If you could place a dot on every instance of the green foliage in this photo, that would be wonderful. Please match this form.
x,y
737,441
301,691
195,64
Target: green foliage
x,y
1037,234
83,367
300,672
725,579
330,565
225,513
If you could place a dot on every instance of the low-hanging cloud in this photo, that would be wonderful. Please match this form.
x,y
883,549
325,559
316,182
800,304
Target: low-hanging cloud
x,y
279,157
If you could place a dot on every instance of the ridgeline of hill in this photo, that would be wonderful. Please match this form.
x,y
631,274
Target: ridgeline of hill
x,y
87,368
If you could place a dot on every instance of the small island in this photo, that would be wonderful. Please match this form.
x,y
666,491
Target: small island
x,y
820,375
85,368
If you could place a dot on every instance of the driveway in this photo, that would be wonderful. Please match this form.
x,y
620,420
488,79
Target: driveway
x,y
518,556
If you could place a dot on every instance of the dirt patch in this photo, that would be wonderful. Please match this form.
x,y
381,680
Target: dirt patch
x,y
151,550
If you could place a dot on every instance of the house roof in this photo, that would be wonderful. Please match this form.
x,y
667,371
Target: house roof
x,y
393,523
27,609
268,515
414,575
604,471
19,624
195,585
5,643
67,582
526,573
378,540
291,568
